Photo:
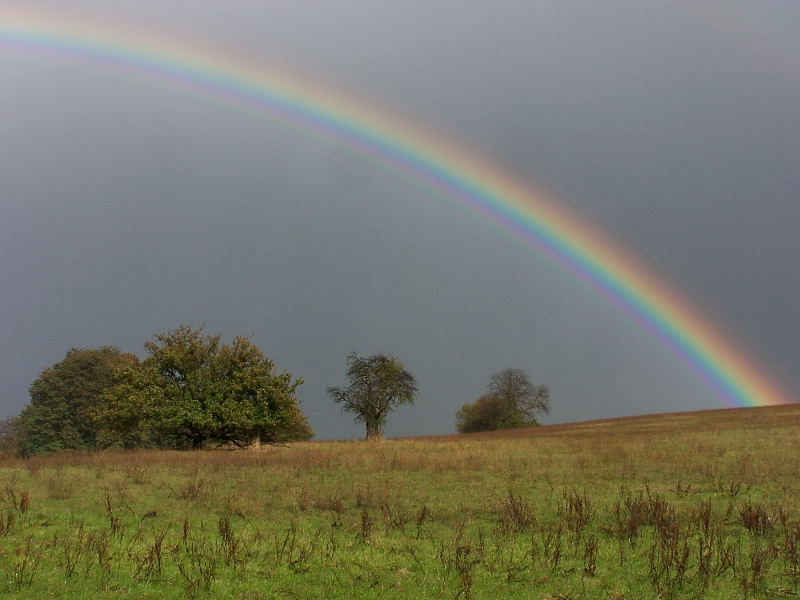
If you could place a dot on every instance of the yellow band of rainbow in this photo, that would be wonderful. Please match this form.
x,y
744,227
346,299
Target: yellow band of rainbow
x,y
475,182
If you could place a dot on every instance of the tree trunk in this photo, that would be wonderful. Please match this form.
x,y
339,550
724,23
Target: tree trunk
x,y
374,432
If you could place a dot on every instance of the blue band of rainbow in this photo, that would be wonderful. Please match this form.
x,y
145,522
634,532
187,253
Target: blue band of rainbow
x,y
475,182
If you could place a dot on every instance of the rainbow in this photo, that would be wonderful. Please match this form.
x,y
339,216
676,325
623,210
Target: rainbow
x,y
474,181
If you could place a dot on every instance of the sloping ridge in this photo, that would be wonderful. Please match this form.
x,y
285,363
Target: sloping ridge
x,y
749,418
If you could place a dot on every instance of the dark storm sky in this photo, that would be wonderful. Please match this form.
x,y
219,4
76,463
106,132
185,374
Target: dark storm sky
x,y
129,205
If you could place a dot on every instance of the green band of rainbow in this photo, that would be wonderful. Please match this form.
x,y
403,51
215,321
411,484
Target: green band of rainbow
x,y
475,182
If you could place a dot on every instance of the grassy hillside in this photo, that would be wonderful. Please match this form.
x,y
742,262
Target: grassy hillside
x,y
687,505
774,418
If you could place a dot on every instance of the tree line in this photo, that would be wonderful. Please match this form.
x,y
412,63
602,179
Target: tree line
x,y
192,390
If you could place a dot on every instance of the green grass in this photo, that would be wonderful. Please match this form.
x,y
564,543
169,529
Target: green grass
x,y
701,505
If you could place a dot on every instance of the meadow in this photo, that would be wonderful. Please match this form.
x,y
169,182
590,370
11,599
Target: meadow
x,y
686,505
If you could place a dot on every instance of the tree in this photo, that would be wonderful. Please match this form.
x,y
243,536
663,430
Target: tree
x,y
193,389
514,386
67,398
378,385
511,401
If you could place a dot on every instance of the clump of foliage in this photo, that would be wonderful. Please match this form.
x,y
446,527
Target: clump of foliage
x,y
295,428
511,401
192,389
378,385
487,413
67,399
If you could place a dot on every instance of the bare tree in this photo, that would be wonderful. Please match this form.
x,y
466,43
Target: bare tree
x,y
515,387
378,384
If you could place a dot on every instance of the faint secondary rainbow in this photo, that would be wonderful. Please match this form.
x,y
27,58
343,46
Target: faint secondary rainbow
x,y
477,183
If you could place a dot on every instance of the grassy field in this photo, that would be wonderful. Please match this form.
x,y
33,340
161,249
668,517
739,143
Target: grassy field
x,y
692,505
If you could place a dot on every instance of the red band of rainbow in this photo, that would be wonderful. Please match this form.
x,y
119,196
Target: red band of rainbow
x,y
475,182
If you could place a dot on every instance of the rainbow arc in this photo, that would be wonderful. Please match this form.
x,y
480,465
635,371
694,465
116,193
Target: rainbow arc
x,y
477,183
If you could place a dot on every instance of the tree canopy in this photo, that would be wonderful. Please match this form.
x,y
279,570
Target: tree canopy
x,y
511,401
191,389
194,389
67,399
378,385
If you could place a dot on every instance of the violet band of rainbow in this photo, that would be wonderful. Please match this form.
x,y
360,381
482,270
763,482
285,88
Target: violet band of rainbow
x,y
474,182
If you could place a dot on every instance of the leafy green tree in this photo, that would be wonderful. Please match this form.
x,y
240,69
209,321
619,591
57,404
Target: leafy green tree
x,y
487,413
128,419
511,401
296,429
378,385
66,400
194,389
